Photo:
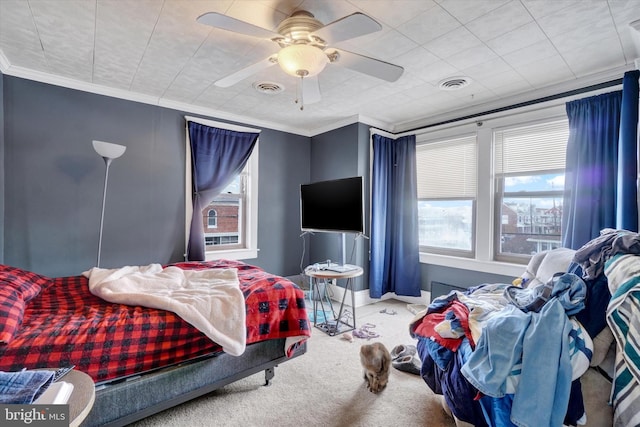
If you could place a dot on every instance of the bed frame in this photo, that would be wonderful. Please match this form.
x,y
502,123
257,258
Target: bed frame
x,y
137,397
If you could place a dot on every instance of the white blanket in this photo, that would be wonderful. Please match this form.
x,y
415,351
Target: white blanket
x,y
210,300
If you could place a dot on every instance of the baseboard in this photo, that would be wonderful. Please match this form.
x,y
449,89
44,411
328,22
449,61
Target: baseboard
x,y
362,297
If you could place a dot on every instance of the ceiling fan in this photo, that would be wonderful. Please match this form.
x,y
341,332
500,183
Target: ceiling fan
x,y
304,48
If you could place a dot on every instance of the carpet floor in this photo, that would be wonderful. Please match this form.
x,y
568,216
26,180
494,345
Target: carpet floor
x,y
324,387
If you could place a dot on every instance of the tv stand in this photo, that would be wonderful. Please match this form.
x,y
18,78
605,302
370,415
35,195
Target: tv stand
x,y
316,273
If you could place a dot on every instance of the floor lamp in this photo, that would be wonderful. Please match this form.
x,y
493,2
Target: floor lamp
x,y
108,151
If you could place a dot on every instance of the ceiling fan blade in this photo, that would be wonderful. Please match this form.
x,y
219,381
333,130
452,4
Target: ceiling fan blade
x,y
242,74
367,65
310,90
228,23
351,26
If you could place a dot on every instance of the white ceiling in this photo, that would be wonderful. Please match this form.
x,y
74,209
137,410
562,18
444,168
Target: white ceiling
x,y
154,51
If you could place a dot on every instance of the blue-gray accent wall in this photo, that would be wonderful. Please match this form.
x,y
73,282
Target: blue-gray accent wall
x,y
54,181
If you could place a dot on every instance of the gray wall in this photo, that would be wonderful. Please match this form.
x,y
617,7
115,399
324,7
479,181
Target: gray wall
x,y
459,277
342,153
54,181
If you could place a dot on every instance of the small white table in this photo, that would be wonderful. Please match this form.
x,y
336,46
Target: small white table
x,y
82,397
320,272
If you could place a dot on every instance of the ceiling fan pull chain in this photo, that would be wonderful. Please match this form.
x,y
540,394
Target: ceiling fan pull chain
x,y
301,93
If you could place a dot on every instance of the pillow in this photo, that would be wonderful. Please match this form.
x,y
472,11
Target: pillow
x,y
544,265
11,313
28,283
17,288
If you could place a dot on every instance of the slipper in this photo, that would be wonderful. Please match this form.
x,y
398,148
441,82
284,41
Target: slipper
x,y
364,332
410,364
387,311
403,350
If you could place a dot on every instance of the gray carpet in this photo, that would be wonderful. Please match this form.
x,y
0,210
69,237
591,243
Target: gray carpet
x,y
324,387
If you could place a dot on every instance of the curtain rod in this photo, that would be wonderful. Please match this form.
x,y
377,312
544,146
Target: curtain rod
x,y
521,104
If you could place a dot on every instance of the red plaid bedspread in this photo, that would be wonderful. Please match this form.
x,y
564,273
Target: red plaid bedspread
x,y
67,325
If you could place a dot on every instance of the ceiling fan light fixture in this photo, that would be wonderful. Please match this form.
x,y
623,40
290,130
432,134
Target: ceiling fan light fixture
x,y
301,60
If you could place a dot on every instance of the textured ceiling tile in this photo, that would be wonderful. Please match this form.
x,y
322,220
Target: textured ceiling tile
x,y
121,39
594,58
468,10
503,82
546,71
537,51
66,32
429,25
471,57
174,41
395,12
18,36
539,8
328,11
256,13
487,69
517,39
501,20
390,45
584,15
624,11
437,71
417,60
630,41
452,43
601,34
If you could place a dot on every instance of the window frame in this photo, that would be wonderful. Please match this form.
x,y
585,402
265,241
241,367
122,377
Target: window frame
x,y
250,248
484,227
458,140
499,195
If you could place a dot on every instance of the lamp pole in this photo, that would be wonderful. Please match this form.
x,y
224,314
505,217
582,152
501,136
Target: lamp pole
x,y
108,152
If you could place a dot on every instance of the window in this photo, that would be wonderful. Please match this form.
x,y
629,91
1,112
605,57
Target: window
x,y
529,172
490,191
224,216
231,220
447,175
212,218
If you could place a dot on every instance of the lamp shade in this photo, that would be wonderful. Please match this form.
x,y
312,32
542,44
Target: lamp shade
x,y
301,60
108,150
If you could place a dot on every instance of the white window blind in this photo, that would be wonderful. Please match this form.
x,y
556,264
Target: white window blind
x,y
530,149
447,169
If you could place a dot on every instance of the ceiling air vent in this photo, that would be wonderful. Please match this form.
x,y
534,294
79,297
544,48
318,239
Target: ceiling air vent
x,y
454,83
270,88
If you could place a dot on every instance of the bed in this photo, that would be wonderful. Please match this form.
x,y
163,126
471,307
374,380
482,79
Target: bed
x,y
144,360
508,355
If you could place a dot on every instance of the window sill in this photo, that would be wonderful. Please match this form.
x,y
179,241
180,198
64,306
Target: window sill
x,y
237,254
493,267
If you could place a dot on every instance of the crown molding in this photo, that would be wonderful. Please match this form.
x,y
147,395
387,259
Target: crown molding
x,y
47,78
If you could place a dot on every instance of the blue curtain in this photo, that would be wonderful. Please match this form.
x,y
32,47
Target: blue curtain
x,y
217,155
600,179
627,196
395,262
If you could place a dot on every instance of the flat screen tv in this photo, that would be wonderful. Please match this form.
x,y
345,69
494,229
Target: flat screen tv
x,y
333,206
